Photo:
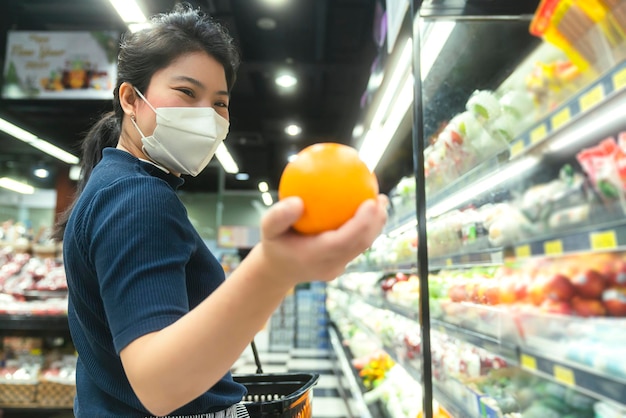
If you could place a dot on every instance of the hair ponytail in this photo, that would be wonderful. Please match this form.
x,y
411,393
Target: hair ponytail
x,y
104,133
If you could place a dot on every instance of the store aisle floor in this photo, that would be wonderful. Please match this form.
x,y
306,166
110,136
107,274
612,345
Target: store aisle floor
x,y
327,401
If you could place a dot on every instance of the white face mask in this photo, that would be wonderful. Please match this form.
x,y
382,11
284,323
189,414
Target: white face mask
x,y
185,138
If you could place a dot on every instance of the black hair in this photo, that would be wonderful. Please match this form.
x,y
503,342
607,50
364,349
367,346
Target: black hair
x,y
182,31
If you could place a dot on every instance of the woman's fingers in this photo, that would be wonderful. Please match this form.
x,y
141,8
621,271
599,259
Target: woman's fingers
x,y
281,216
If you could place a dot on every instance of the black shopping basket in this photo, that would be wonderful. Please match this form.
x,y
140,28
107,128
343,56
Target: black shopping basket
x,y
277,395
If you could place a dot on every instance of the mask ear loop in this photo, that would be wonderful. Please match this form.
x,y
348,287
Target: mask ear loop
x,y
143,148
145,100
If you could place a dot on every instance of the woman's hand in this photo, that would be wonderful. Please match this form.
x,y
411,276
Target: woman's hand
x,y
302,258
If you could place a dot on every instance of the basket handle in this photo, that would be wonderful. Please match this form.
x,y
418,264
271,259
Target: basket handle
x,y
257,361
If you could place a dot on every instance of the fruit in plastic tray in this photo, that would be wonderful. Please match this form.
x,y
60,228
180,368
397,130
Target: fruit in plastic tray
x,y
615,301
589,284
588,307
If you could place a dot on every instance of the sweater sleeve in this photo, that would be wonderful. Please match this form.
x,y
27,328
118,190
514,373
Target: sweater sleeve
x,y
140,241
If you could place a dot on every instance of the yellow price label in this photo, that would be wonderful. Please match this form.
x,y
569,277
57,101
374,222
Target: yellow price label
x,y
522,251
603,240
448,261
538,133
528,362
561,118
591,98
553,247
564,375
517,148
619,79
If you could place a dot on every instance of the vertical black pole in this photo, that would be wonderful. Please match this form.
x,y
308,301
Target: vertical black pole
x,y
420,201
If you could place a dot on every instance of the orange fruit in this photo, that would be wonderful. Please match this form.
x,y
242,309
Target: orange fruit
x,y
332,181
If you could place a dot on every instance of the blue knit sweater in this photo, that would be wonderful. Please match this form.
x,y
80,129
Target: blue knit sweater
x,y
134,265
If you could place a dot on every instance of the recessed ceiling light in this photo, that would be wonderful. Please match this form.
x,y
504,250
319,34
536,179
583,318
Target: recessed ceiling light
x,y
266,23
275,2
42,173
242,176
293,130
357,131
263,187
286,80
292,157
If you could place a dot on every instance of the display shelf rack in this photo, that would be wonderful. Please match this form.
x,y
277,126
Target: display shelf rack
x,y
381,303
449,404
576,109
592,382
576,376
412,371
485,257
11,322
508,351
354,386
602,238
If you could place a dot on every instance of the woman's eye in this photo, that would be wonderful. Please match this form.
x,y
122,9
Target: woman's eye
x,y
187,92
221,104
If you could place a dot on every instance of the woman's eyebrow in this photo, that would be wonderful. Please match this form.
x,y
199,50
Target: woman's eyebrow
x,y
191,80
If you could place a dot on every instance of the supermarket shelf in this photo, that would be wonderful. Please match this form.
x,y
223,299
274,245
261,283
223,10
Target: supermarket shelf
x,y
486,257
602,96
10,322
509,352
412,371
449,404
600,238
348,372
576,376
382,303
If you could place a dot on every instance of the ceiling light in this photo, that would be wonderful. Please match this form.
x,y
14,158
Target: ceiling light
x,y
227,161
436,37
263,187
357,131
32,140
129,11
267,198
242,176
42,173
293,129
16,186
266,23
286,80
75,172
291,157
396,101
136,27
275,2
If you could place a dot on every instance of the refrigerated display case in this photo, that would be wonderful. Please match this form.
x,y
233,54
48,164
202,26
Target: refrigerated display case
x,y
516,227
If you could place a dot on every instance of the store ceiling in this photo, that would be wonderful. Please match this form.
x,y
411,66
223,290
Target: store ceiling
x,y
329,44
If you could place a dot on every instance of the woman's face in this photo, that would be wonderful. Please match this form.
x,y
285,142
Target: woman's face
x,y
192,80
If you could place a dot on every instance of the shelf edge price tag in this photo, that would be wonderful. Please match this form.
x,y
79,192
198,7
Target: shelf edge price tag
x,y
619,79
591,98
517,148
448,262
528,362
522,251
539,133
564,375
561,118
553,247
603,240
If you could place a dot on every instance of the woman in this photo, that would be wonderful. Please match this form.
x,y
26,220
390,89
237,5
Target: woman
x,y
156,327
